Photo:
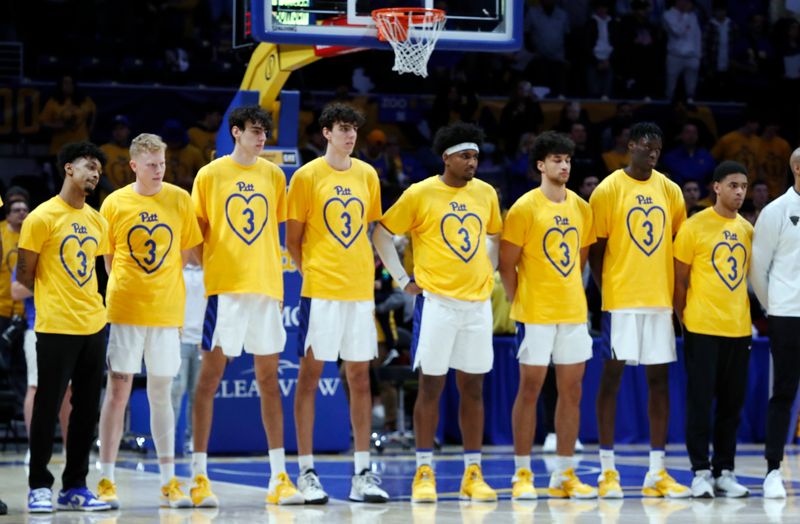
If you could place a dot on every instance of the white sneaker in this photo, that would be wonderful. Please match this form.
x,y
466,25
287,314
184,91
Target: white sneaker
x,y
703,484
726,485
549,445
365,488
309,485
773,485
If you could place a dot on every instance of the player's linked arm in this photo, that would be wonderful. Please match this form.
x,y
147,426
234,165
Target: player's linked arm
x,y
26,267
294,241
681,285
509,258
493,249
596,253
384,245
189,256
196,256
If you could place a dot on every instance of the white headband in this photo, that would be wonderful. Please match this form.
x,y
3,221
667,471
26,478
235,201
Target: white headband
x,y
461,147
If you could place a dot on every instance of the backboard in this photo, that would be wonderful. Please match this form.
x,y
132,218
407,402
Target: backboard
x,y
472,25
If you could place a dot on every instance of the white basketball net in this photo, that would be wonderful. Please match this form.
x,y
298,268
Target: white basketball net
x,y
412,34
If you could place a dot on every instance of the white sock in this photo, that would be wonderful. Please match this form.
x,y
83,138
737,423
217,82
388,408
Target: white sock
x,y
563,464
361,461
305,462
424,457
199,461
656,460
277,462
522,462
607,459
166,471
472,457
107,470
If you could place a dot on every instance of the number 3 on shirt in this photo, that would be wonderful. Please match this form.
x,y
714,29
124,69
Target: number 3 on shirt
x,y
466,247
251,224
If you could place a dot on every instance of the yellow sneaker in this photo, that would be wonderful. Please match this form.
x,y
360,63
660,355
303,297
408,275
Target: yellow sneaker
x,y
424,487
202,496
107,492
661,484
474,488
172,495
568,485
522,485
608,485
283,493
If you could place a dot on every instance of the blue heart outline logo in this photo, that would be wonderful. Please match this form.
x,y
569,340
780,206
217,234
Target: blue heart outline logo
x,y
340,236
86,260
143,263
571,259
646,212
256,232
737,270
470,249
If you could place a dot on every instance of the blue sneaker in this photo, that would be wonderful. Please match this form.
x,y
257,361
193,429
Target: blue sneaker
x,y
80,499
40,500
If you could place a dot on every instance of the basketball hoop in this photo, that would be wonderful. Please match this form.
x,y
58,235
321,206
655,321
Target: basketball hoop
x,y
412,32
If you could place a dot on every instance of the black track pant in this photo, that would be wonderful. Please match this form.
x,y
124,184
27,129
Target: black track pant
x,y
784,335
716,369
61,358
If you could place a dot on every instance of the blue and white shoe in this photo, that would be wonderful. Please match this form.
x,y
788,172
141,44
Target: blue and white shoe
x,y
80,499
40,500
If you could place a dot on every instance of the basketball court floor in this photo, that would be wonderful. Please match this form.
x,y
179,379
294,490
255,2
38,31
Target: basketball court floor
x,y
240,484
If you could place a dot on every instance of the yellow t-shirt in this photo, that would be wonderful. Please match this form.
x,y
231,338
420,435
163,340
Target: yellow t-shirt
x,y
242,206
118,168
76,119
336,208
639,219
549,273
743,149
146,236
8,307
776,153
68,241
183,164
718,251
615,160
204,140
448,228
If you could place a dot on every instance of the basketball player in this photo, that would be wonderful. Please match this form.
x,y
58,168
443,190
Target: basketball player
x,y
545,244
151,228
332,201
454,221
712,255
239,200
776,243
18,210
58,245
637,211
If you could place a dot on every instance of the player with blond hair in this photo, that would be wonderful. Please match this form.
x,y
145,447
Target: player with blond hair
x,y
151,230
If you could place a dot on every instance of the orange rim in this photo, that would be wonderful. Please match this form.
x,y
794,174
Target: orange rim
x,y
405,16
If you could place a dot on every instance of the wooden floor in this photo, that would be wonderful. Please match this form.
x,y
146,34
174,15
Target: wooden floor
x,y
240,484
